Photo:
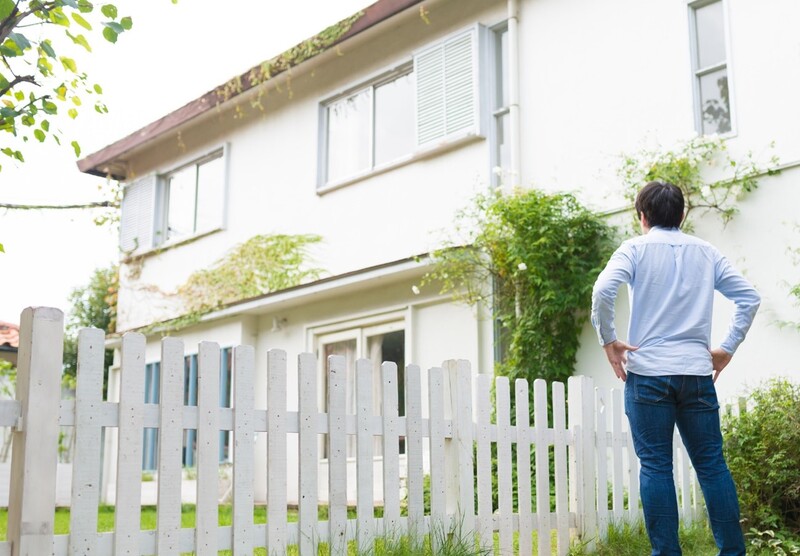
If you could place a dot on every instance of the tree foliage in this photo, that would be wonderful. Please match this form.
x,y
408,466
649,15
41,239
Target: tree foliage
x,y
534,256
711,180
38,80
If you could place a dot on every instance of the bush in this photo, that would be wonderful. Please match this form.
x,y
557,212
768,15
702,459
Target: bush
x,y
762,447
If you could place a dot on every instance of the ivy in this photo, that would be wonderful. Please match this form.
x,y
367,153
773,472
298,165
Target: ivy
x,y
533,257
711,180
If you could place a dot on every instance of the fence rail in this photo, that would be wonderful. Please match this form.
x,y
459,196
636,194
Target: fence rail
x,y
570,472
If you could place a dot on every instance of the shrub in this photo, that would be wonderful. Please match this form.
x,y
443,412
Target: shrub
x,y
762,447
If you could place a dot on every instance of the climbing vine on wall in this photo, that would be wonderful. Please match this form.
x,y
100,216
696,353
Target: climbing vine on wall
x,y
534,257
710,178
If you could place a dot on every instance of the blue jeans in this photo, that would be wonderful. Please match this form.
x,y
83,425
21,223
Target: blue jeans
x,y
654,405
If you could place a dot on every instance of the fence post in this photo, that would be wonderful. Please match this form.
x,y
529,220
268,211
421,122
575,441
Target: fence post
x,y
582,456
460,472
32,495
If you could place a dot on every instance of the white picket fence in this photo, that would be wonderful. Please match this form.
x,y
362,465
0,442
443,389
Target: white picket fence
x,y
594,470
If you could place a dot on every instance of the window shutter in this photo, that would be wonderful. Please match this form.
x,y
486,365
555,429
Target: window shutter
x,y
136,221
446,76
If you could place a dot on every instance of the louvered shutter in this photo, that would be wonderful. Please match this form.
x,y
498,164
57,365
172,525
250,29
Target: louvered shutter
x,y
138,210
446,75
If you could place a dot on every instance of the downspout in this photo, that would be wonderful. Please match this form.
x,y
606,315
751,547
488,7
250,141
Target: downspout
x,y
513,93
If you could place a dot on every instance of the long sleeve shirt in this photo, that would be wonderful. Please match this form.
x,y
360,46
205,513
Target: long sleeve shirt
x,y
671,278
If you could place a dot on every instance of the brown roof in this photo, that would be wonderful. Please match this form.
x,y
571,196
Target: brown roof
x,y
9,334
102,162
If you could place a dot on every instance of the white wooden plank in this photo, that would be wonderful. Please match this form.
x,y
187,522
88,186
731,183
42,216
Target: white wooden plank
x,y
414,433
633,478
32,490
460,378
206,511
129,453
505,493
483,388
391,450
581,422
307,512
542,466
523,439
437,455
86,458
686,492
560,458
337,454
170,446
276,451
601,449
243,449
365,510
617,445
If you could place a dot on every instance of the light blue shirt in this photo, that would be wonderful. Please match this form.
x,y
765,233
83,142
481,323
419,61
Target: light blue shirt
x,y
671,278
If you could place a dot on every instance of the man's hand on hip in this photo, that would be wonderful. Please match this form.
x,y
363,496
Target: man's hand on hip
x,y
719,360
616,352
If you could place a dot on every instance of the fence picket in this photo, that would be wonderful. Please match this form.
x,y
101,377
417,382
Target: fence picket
x,y
170,447
437,457
560,457
337,456
129,452
206,511
601,447
523,465
542,466
391,451
308,498
617,447
86,460
504,488
461,394
243,449
276,451
483,388
365,510
416,501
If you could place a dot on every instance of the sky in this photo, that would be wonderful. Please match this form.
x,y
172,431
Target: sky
x,y
173,54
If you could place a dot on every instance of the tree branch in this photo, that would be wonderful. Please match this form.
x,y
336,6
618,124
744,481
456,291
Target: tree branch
x,y
98,204
16,81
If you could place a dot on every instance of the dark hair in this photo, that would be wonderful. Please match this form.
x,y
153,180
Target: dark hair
x,y
661,203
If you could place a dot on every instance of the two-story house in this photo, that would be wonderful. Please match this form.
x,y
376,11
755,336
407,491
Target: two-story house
x,y
373,134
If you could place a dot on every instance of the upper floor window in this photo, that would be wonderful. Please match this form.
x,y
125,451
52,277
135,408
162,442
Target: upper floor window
x,y
429,100
710,64
192,198
176,205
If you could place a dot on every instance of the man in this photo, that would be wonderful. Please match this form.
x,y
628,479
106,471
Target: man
x,y
667,365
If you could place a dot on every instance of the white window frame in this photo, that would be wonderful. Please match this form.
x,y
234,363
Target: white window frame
x,y
698,72
481,103
161,212
496,108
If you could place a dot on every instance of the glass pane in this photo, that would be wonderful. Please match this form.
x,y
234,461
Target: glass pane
x,y
394,119
710,35
210,195
349,136
181,188
715,104
501,68
503,154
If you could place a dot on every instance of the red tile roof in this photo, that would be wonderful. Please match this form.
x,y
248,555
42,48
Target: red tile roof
x,y
9,334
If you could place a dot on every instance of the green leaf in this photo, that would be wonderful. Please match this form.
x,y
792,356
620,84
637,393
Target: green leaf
x,y
2,250
18,156
110,35
69,64
20,40
45,125
48,48
39,134
109,10
73,113
6,7
126,23
85,6
57,16
3,81
81,40
10,49
49,107
70,3
81,21
77,148
98,89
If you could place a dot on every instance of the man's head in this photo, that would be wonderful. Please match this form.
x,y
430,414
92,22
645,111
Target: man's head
x,y
661,204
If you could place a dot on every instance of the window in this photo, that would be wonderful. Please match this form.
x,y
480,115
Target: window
x,y
370,127
379,343
151,395
709,58
424,102
192,197
501,149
